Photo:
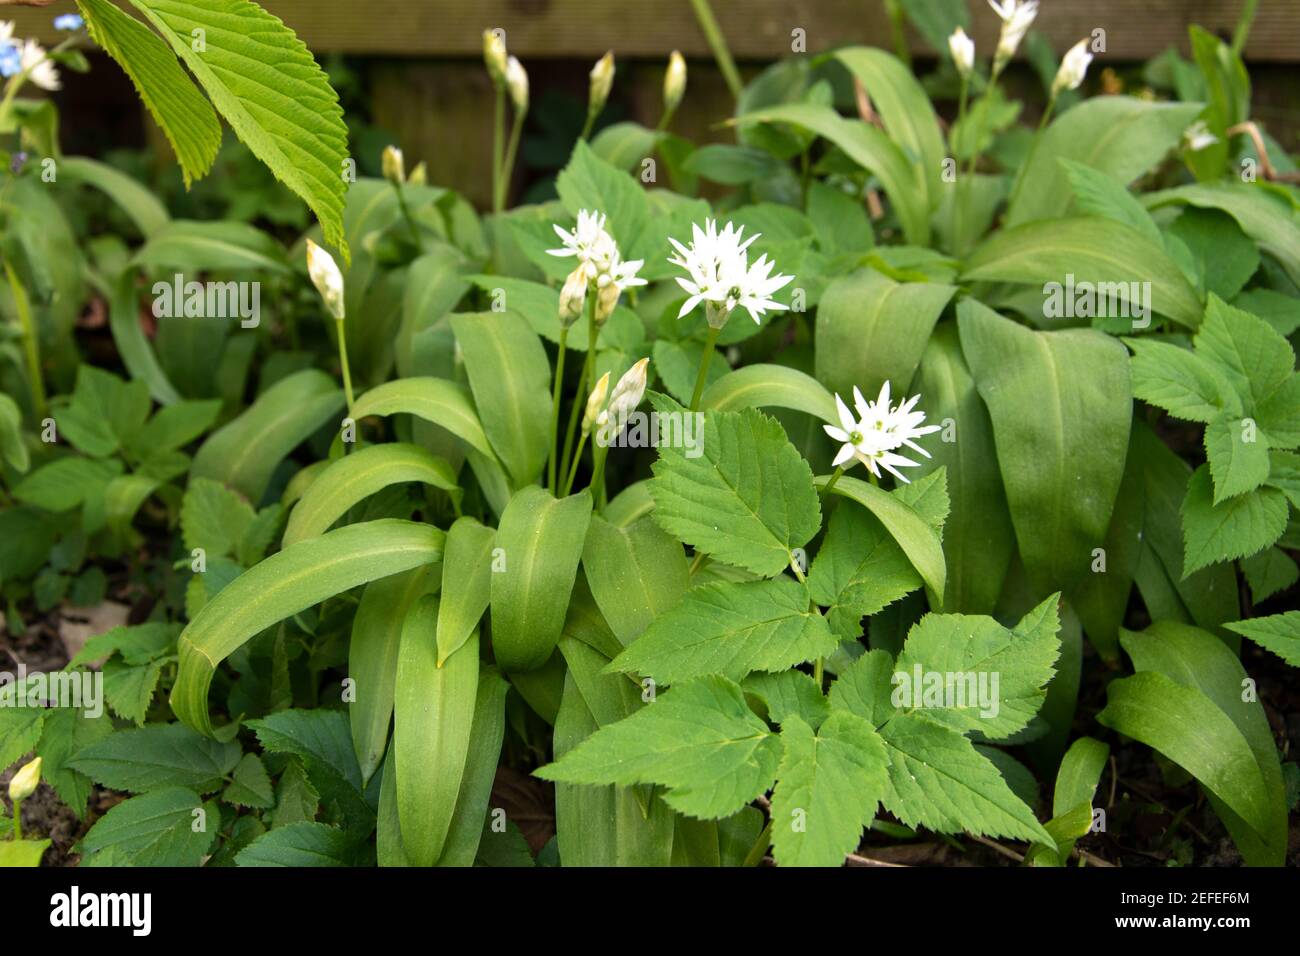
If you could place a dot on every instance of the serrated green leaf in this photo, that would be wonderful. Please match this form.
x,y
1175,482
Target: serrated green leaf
x,y
828,788
213,517
789,693
1236,528
250,787
699,739
747,500
858,570
731,629
1247,351
270,89
300,844
186,118
157,757
1238,459
1179,381
65,732
130,689
1279,633
168,827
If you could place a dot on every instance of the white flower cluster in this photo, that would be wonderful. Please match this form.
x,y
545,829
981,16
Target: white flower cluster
x,y
878,430
720,275
597,252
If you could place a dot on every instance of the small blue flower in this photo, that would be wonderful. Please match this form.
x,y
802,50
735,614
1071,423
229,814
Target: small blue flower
x,y
69,22
11,61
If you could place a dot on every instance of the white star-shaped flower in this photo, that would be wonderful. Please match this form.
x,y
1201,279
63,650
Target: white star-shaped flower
x,y
597,252
877,431
720,275
39,68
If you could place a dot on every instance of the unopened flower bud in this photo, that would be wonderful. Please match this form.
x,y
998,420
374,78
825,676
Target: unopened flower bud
x,y
1074,67
24,782
628,392
674,83
962,49
327,278
494,55
517,84
573,297
419,175
595,404
606,301
394,165
602,80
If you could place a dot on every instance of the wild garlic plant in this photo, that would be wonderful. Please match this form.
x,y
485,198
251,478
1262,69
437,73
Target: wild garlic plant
x,y
571,488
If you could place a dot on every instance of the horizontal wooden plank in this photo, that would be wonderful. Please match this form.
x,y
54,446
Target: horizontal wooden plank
x,y
755,29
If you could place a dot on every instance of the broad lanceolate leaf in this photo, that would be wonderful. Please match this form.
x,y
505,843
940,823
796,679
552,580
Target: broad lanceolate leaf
x,y
245,452
978,538
637,574
486,734
511,380
1120,136
186,118
284,584
541,542
731,629
867,146
431,731
872,330
1152,708
830,783
699,739
1061,407
1279,633
372,658
466,583
746,500
1199,661
1117,259
266,84
435,400
766,386
354,477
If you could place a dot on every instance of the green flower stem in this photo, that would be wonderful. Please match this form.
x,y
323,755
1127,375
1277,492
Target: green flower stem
x,y
18,821
343,361
406,214
718,44
498,148
573,471
31,344
834,478
703,376
587,382
507,168
759,850
897,31
1033,148
599,454
963,182
551,465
